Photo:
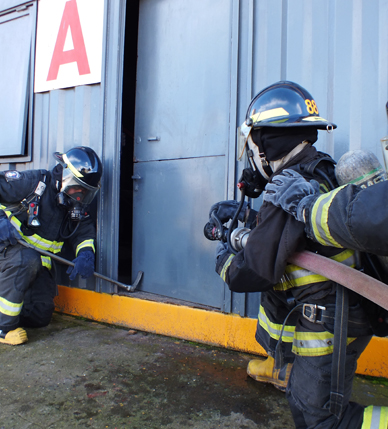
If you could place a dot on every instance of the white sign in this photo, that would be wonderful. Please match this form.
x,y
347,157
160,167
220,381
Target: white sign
x,y
68,43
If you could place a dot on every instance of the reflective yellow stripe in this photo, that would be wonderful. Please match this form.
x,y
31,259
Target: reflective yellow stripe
x,y
46,262
296,276
319,218
226,266
314,343
86,243
35,239
71,167
274,329
375,418
10,308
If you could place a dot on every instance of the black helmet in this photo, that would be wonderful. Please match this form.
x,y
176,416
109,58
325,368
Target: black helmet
x,y
82,171
285,104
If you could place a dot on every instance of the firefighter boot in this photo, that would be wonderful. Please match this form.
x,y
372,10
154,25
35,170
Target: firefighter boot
x,y
13,338
265,372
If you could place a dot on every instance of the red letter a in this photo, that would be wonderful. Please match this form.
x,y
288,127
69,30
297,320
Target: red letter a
x,y
70,19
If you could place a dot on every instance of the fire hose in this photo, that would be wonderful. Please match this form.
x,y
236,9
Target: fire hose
x,y
366,286
128,288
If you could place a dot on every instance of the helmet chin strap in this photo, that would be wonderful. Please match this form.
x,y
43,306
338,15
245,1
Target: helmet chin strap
x,y
275,165
256,153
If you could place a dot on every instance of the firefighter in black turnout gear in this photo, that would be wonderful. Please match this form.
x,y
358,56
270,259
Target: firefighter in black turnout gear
x,y
43,209
298,308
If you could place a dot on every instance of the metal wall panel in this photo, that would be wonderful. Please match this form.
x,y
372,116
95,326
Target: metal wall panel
x,y
89,115
336,50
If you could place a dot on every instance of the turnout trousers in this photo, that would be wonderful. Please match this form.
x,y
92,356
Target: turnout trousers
x,y
27,289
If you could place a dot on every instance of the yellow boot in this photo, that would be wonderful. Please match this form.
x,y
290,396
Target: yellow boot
x,y
15,337
264,371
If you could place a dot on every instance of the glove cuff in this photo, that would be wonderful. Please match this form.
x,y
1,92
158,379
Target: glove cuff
x,y
303,210
222,260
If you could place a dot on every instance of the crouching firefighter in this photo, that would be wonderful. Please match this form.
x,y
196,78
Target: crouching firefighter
x,y
298,307
40,210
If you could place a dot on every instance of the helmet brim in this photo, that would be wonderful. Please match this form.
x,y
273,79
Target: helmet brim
x,y
290,121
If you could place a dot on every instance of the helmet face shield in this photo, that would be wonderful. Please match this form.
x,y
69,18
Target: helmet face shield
x,y
77,190
82,170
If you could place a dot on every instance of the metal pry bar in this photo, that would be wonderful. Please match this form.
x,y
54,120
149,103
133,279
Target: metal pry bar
x,y
129,288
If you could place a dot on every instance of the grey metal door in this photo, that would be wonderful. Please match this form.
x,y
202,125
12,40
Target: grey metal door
x,y
182,133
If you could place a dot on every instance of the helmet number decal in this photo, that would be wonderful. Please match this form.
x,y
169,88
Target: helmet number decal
x,y
311,106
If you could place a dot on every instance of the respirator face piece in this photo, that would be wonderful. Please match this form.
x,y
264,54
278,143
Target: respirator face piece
x,y
256,159
77,190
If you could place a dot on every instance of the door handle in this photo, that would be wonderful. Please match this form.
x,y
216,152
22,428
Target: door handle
x,y
136,185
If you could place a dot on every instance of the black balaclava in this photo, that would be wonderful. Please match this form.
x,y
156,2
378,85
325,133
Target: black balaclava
x,y
56,174
277,142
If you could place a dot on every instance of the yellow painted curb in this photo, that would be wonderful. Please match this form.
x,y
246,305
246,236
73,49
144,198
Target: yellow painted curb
x,y
223,330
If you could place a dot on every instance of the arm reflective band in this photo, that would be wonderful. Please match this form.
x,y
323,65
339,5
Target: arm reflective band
x,y
226,266
319,218
86,243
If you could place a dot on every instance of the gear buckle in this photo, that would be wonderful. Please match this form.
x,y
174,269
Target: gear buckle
x,y
315,310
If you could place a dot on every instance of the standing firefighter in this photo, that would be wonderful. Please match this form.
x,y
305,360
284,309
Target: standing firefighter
x,y
43,209
298,308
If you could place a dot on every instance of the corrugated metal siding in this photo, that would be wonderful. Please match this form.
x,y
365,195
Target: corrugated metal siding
x,y
89,115
335,49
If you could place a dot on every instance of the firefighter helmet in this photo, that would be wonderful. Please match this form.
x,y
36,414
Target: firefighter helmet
x,y
82,171
285,104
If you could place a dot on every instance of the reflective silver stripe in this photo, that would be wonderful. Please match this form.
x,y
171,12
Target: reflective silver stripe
x,y
35,239
226,266
86,243
10,308
274,329
314,343
319,218
296,276
46,261
375,418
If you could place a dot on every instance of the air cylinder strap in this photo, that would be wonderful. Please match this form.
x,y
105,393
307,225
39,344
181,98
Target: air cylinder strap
x,y
339,351
366,286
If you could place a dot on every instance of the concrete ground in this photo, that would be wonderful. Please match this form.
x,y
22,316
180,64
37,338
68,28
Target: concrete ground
x,y
77,373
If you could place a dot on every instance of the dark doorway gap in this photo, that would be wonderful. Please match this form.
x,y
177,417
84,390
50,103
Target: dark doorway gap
x,y
127,141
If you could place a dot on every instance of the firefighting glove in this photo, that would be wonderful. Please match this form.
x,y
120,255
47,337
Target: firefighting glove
x,y
223,259
83,265
254,182
292,192
8,234
225,210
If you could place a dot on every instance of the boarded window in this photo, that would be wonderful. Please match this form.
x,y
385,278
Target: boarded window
x,y
17,41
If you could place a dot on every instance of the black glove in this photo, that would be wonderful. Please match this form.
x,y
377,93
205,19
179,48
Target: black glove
x,y
225,210
83,265
223,259
254,182
292,192
8,233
